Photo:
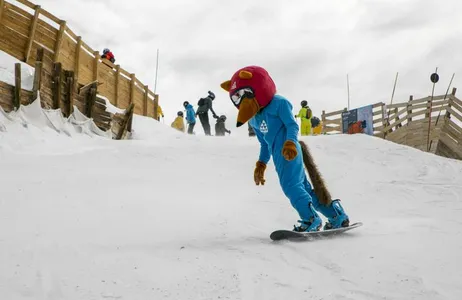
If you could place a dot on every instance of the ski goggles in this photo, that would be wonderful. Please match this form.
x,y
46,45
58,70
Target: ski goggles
x,y
240,94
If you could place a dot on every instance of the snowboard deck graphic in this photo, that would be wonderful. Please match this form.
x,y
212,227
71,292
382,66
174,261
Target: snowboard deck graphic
x,y
293,235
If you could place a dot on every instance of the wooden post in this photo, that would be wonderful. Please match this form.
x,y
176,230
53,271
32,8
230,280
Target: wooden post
x,y
59,40
37,74
145,101
17,86
70,92
78,48
156,104
116,100
33,27
397,118
57,90
132,88
384,122
409,110
91,99
95,65
2,8
323,120
126,120
453,94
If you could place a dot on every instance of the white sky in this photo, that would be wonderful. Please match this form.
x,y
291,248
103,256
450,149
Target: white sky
x,y
307,46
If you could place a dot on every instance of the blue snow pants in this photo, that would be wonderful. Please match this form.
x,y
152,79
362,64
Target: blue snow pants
x,y
295,184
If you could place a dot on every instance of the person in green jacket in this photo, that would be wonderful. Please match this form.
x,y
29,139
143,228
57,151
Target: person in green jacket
x,y
305,115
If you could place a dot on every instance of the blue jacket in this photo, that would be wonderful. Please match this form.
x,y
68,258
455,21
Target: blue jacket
x,y
274,125
190,114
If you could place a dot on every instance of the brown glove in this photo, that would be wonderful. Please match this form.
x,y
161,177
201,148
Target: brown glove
x,y
289,151
259,172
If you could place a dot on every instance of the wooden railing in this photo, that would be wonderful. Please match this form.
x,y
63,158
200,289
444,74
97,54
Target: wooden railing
x,y
432,124
25,29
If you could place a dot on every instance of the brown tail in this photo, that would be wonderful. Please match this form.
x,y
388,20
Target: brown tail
x,y
316,179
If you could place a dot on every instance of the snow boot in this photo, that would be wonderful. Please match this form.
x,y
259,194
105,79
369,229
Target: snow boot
x,y
314,223
337,217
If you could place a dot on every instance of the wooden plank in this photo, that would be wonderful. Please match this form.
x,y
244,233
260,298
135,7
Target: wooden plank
x,y
16,22
47,29
32,33
2,8
37,74
396,105
20,13
145,100
59,40
116,98
52,17
132,88
338,112
17,88
57,88
333,122
77,59
455,114
95,65
71,33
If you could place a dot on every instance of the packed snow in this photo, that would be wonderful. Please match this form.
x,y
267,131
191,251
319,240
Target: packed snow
x,y
167,215
173,216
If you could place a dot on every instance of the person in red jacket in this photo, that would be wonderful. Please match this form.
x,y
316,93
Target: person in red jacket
x,y
107,54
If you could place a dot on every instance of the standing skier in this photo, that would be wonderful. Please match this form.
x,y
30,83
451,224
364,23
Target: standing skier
x,y
253,92
203,111
190,116
305,116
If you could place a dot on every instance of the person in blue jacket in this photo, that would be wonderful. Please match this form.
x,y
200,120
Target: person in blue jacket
x,y
253,92
190,116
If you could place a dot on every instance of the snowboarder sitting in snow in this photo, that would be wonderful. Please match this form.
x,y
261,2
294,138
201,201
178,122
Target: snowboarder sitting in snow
x,y
107,54
220,127
253,92
178,123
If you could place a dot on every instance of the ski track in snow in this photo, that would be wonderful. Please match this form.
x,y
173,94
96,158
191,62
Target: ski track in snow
x,y
171,216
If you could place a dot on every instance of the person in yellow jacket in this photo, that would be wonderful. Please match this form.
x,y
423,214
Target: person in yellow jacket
x,y
305,116
160,113
178,123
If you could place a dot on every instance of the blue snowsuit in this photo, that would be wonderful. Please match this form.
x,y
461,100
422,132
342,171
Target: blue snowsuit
x,y
190,114
274,125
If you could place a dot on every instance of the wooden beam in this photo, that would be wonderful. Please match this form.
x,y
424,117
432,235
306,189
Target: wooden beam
x,y
33,27
95,65
132,88
37,74
86,87
116,100
17,86
70,80
156,104
59,40
123,127
57,90
2,8
91,99
77,59
145,101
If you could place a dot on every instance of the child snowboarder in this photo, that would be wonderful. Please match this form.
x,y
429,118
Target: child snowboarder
x,y
190,116
178,123
305,116
253,92
107,54
220,127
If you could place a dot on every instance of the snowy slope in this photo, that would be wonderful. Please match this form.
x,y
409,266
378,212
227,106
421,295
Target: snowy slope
x,y
171,216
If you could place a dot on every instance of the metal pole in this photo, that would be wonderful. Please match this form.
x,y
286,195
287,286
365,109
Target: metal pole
x,y
434,78
157,68
348,89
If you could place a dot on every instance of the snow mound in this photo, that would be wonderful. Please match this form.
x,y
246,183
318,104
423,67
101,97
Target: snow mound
x,y
40,119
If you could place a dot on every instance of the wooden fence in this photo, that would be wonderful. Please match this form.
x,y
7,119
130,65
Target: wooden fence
x,y
25,29
429,124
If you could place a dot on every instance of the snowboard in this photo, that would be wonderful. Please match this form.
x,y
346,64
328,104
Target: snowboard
x,y
293,235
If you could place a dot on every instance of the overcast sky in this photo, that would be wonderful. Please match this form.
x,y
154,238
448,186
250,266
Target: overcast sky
x,y
307,46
